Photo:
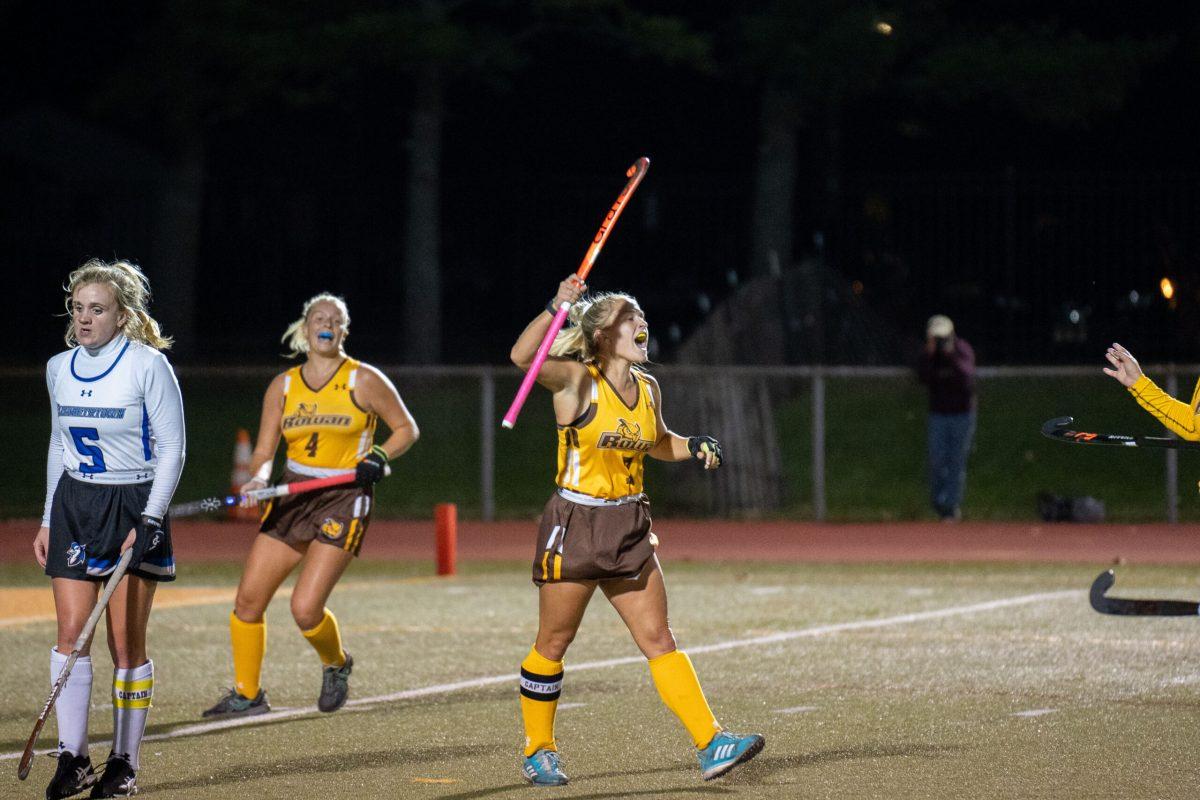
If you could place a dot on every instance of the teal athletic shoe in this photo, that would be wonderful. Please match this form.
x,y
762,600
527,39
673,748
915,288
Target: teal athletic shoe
x,y
726,751
543,769
233,704
335,685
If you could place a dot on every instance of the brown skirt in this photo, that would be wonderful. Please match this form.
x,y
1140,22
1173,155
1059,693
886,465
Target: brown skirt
x,y
336,516
590,543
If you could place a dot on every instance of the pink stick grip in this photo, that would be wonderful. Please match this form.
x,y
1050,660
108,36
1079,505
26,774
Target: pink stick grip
x,y
531,374
296,487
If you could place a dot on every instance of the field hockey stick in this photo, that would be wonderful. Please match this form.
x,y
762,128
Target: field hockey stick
x,y
635,174
1060,430
81,643
1127,607
266,493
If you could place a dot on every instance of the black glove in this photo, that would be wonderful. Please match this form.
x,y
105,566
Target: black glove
x,y
149,537
370,470
705,444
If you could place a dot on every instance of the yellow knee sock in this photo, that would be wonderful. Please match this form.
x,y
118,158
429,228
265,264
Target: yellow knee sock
x,y
541,684
249,644
680,690
326,639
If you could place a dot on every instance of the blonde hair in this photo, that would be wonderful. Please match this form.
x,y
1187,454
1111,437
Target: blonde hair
x,y
294,337
590,313
130,287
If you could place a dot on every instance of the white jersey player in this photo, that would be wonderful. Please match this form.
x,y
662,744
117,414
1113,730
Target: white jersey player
x,y
115,456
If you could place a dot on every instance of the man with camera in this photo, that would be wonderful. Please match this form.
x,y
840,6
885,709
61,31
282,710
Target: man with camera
x,y
947,367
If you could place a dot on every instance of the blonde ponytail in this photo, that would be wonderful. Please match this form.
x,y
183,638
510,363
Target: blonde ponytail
x,y
590,313
131,288
295,338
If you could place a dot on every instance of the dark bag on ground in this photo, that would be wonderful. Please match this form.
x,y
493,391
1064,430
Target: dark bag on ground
x,y
1058,508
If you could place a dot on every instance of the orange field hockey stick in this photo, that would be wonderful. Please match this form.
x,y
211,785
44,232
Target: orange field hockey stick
x,y
635,175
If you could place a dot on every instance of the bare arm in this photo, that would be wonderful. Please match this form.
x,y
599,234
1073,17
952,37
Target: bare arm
x,y
269,430
670,446
556,373
377,394
566,377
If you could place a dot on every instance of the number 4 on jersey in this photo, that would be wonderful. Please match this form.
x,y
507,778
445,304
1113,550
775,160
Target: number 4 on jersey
x,y
311,446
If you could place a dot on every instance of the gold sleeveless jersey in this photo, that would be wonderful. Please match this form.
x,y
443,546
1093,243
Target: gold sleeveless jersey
x,y
324,428
601,453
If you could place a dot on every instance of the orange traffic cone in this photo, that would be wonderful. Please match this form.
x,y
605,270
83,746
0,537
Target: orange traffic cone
x,y
241,474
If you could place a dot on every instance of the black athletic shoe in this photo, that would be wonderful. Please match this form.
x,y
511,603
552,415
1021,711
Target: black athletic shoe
x,y
335,686
118,780
73,775
233,704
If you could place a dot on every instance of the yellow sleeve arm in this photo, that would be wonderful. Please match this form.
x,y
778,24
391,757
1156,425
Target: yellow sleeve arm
x,y
1176,416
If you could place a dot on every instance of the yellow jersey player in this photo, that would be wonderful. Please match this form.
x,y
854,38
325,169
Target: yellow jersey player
x,y
595,530
326,410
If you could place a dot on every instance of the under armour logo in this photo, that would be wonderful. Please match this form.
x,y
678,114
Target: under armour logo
x,y
339,387
85,392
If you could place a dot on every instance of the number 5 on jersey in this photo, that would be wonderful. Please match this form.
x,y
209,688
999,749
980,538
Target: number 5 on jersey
x,y
90,450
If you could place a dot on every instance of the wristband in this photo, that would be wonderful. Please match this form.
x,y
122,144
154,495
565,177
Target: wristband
x,y
552,308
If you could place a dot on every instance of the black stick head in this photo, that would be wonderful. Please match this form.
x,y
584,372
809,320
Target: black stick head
x,y
1052,426
1103,582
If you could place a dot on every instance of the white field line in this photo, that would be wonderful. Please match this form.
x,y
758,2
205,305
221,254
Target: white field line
x,y
510,678
796,710
1035,712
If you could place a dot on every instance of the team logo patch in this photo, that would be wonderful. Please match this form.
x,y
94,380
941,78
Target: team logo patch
x,y
76,554
627,436
306,414
332,528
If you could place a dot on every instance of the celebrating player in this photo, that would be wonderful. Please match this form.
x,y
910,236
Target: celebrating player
x,y
326,410
595,530
116,452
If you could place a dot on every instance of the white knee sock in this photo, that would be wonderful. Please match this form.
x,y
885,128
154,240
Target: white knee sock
x,y
132,690
73,704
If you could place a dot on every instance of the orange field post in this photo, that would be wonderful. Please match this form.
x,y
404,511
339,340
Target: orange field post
x,y
445,525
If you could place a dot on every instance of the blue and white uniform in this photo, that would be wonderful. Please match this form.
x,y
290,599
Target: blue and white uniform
x,y
116,453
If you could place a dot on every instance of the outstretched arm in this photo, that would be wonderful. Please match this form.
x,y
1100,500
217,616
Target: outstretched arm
x,y
1176,416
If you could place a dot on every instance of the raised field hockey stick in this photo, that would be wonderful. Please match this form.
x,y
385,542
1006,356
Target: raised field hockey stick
x,y
266,493
1126,607
1060,430
85,636
635,174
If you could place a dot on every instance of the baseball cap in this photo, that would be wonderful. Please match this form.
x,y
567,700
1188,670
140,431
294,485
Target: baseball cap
x,y
940,326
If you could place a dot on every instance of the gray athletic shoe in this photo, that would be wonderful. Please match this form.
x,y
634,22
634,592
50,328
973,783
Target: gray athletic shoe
x,y
234,705
335,686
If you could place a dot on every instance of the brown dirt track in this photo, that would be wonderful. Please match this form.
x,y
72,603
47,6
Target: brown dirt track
x,y
721,540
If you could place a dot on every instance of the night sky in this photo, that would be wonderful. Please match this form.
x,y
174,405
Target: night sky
x,y
306,196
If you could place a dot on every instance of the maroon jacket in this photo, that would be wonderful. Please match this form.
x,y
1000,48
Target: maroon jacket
x,y
950,378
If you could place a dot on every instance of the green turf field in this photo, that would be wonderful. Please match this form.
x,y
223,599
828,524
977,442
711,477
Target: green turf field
x,y
927,681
